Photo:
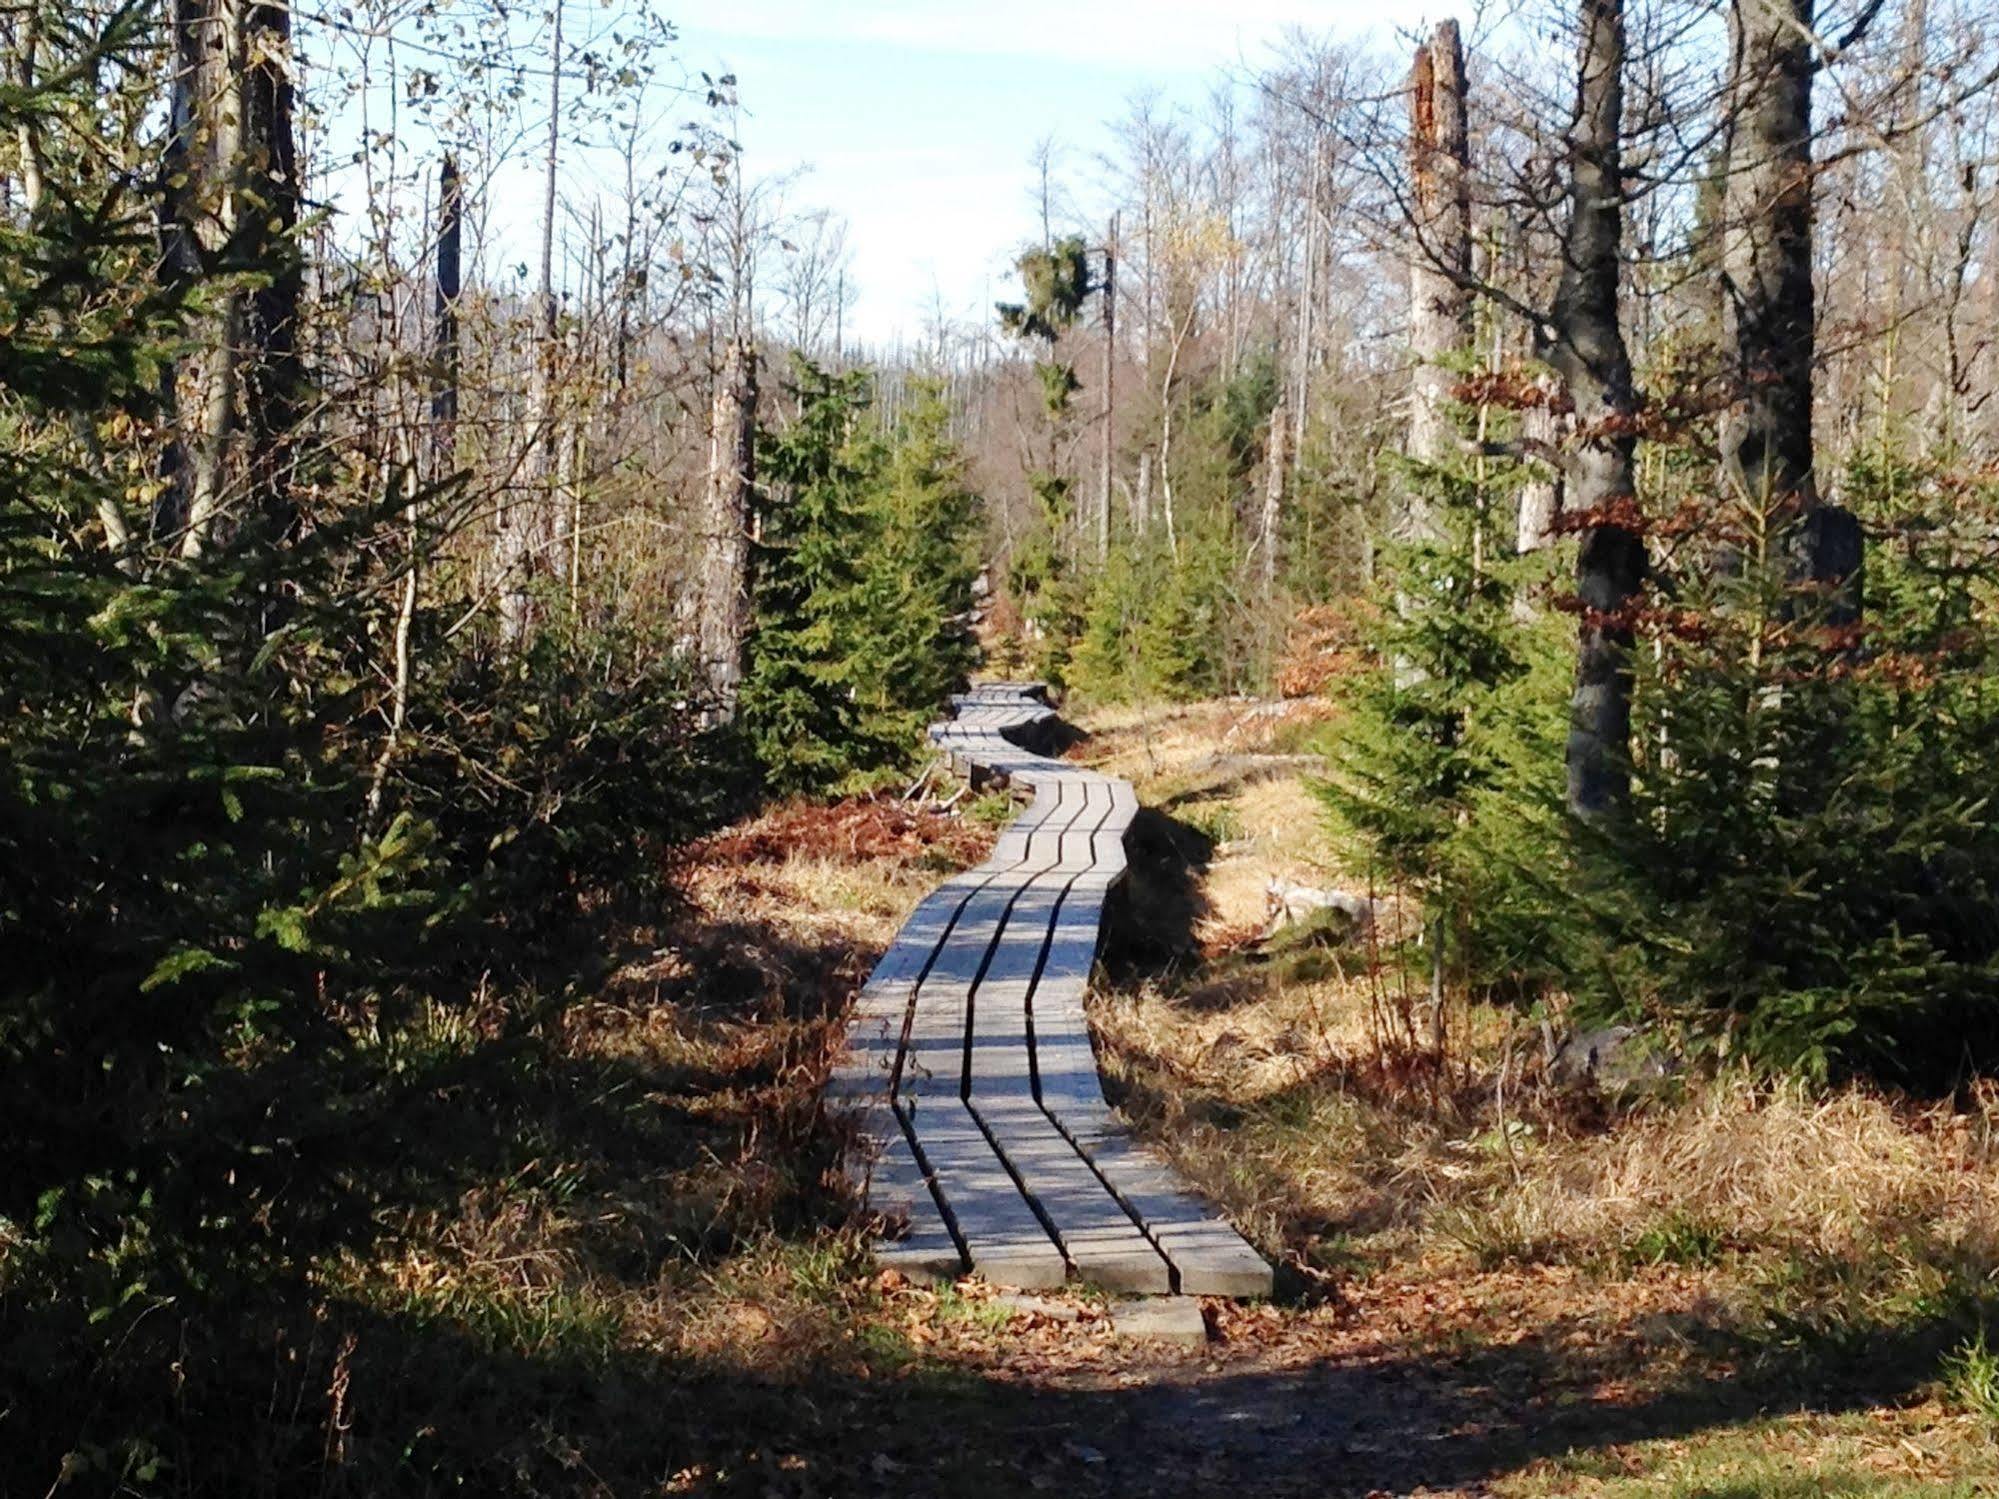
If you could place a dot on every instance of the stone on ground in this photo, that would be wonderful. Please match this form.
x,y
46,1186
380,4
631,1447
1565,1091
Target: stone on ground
x,y
1161,1319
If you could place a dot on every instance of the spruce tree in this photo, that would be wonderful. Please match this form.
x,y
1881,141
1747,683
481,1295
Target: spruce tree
x,y
864,587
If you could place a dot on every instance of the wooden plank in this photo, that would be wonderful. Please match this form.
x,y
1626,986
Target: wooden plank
x,y
922,1243
1003,1238
1007,1155
1209,1258
1094,1230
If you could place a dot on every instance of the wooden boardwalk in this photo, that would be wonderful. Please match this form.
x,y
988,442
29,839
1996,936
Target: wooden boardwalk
x,y
969,1060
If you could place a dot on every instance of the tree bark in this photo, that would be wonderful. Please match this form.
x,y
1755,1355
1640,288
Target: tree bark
x,y
721,594
1108,454
1585,346
1546,426
444,321
1141,498
1273,505
1768,308
1440,262
230,211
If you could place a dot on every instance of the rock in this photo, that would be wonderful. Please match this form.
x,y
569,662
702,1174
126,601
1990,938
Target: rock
x,y
1287,901
1038,1306
1161,1319
1619,1058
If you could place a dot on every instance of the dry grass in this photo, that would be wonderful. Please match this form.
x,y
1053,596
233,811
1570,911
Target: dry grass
x,y
642,1194
1838,1177
1480,1211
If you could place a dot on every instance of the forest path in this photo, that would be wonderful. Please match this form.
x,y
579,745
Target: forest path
x,y
970,1064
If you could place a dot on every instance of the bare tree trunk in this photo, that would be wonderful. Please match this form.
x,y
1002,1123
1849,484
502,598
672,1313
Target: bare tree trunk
x,y
231,205
23,34
1768,307
1545,427
1308,292
1141,499
272,373
1180,336
444,321
522,550
1108,453
1587,350
1273,506
1440,264
721,595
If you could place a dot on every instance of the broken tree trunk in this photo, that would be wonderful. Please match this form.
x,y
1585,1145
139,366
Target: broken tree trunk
x,y
1440,261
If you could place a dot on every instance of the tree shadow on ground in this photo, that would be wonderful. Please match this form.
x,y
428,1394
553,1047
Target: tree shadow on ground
x,y
430,1381
670,1121
1058,737
368,1401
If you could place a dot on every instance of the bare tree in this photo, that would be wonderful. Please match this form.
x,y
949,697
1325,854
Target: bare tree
x,y
1768,301
1584,344
1273,506
1440,267
721,594
231,208
1107,394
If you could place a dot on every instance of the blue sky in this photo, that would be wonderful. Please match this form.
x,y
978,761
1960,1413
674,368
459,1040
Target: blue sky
x,y
917,118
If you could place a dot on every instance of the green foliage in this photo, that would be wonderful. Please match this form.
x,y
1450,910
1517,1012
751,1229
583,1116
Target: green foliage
x,y
1187,636
1806,875
1436,739
1169,618
1971,1377
1056,280
1156,626
224,897
864,586
1812,866
1109,662
1678,1239
1042,577
1058,385
575,771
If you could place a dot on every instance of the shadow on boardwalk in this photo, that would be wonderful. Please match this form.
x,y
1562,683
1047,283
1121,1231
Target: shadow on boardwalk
x,y
1150,925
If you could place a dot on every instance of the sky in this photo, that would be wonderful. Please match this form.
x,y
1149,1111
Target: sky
x,y
917,119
